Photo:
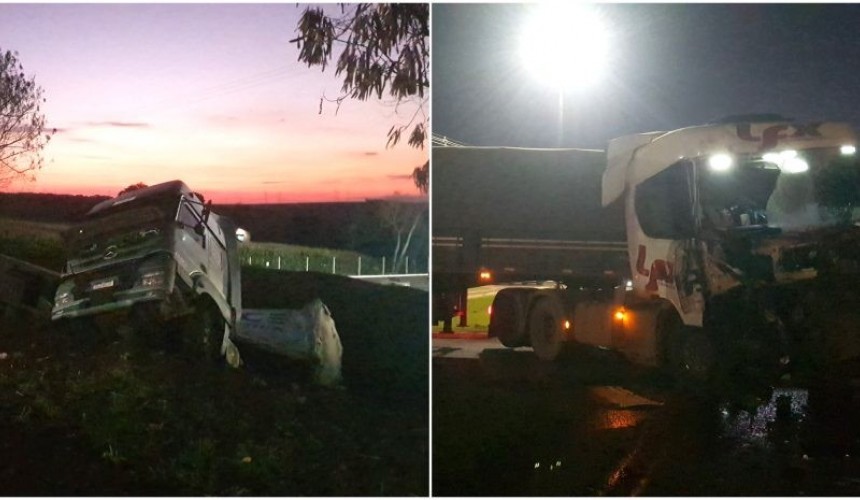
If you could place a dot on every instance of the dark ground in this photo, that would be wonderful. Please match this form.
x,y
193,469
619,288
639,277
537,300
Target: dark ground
x,y
506,424
85,417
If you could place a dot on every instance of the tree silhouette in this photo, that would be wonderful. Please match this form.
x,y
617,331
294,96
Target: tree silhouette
x,y
403,219
385,52
22,123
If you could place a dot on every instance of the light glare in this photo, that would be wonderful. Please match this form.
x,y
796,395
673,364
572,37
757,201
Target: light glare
x,y
565,45
794,166
848,150
720,162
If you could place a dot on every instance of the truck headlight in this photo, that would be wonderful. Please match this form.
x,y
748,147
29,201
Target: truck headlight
x,y
720,162
63,299
152,279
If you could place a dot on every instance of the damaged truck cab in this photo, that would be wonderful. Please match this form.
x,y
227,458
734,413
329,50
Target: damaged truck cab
x,y
729,244
742,228
156,256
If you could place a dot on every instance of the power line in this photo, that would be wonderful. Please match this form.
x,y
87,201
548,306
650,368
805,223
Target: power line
x,y
441,140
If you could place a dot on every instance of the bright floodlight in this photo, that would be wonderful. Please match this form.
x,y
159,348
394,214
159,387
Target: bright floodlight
x,y
720,162
848,150
564,45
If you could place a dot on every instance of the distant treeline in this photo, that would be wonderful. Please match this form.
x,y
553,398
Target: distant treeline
x,y
46,207
353,226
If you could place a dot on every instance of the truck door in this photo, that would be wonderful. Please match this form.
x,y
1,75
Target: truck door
x,y
190,243
668,254
216,255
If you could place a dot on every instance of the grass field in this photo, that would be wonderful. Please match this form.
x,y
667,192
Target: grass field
x,y
478,317
301,258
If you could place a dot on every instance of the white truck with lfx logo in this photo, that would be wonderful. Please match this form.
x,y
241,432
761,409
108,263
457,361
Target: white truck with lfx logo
x,y
159,257
718,246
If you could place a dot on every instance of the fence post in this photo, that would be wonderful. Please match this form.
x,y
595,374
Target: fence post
x,y
383,264
279,262
359,265
407,264
307,263
249,260
333,264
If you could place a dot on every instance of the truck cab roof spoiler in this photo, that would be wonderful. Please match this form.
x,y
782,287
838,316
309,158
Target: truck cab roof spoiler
x,y
633,159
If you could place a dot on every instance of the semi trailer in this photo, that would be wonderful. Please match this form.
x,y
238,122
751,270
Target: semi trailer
x,y
704,247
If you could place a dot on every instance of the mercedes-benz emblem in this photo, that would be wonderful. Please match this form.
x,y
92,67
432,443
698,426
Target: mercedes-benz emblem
x,y
110,252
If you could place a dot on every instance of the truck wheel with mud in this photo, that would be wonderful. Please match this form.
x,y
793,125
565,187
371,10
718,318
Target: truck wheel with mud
x,y
146,328
697,354
545,328
687,353
205,331
508,319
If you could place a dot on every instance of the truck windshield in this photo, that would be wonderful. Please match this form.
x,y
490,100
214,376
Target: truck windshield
x,y
120,230
792,190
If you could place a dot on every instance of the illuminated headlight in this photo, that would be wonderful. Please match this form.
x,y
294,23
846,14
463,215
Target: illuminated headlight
x,y
794,166
720,162
63,299
788,161
848,150
152,279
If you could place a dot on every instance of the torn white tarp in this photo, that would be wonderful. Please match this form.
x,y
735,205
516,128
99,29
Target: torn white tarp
x,y
304,334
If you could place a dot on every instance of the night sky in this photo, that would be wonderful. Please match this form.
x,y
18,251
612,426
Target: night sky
x,y
673,66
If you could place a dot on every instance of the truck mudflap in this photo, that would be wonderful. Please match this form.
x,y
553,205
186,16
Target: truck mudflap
x,y
306,334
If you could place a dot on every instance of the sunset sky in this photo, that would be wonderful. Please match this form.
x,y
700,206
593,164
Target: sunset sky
x,y
210,94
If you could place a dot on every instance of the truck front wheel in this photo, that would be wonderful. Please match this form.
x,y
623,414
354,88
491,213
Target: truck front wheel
x,y
545,328
206,331
687,352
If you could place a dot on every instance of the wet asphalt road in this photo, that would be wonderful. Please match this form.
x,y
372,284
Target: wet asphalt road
x,y
590,424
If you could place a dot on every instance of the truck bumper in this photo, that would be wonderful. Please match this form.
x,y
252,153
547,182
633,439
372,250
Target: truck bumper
x,y
121,301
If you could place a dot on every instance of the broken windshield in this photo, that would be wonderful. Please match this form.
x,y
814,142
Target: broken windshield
x,y
121,229
790,190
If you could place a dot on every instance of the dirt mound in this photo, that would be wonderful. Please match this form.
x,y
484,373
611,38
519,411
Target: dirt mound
x,y
383,328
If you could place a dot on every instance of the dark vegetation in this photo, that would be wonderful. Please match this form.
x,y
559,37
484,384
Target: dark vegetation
x,y
105,415
348,226
384,53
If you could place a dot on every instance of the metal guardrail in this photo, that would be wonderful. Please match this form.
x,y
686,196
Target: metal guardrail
x,y
343,265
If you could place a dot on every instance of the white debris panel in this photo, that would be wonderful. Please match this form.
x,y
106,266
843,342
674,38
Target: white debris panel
x,y
307,334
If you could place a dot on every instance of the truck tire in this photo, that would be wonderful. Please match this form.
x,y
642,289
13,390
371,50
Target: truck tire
x,y
508,320
206,331
687,353
697,354
545,328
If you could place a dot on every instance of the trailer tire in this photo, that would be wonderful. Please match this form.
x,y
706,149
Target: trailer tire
x,y
508,320
545,328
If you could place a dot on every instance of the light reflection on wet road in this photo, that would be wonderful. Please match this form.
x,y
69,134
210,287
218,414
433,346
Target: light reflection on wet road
x,y
506,424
